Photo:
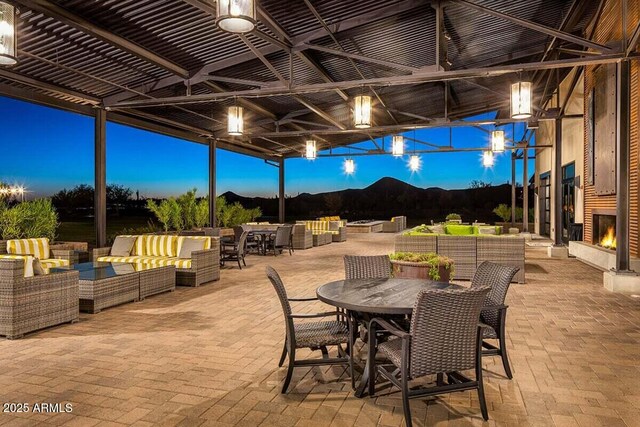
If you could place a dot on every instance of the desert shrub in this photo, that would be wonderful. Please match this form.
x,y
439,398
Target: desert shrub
x,y
230,215
187,203
453,217
32,219
162,211
432,259
201,216
503,211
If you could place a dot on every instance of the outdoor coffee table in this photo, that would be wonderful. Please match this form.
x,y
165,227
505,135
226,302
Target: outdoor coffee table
x,y
369,297
103,285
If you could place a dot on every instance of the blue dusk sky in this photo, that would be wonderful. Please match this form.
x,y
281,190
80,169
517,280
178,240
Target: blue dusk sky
x,y
45,150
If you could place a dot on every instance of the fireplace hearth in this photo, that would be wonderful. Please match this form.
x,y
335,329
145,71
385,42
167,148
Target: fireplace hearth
x,y
604,230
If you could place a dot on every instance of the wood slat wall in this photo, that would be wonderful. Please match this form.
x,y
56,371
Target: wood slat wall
x,y
610,29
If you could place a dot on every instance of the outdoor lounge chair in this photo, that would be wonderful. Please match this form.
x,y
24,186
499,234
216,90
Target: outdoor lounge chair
x,y
494,312
281,239
445,337
312,335
235,251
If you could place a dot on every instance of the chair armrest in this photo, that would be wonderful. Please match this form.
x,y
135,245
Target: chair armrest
x,y
388,327
205,258
303,299
98,252
62,254
314,315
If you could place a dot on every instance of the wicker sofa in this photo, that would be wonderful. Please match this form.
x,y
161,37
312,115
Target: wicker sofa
x,y
336,228
28,304
50,255
162,250
395,225
468,252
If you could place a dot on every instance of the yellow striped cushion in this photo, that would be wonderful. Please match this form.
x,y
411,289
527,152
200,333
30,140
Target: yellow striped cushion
x,y
163,262
129,259
207,243
52,263
39,248
162,245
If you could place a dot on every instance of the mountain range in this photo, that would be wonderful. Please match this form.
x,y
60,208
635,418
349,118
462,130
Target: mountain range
x,y
388,197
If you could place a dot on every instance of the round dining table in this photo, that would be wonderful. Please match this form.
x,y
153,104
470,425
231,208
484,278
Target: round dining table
x,y
391,296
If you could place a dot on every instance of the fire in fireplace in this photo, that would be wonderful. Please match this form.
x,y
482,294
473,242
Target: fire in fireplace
x,y
604,230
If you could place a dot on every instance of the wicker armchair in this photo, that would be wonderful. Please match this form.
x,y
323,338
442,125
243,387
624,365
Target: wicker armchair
x,y
235,251
312,335
494,313
28,304
445,337
302,237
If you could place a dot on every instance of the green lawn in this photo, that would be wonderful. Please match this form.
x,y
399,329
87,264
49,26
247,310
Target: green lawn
x,y
82,230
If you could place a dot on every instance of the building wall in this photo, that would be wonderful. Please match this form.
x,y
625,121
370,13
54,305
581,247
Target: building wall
x,y
609,31
572,147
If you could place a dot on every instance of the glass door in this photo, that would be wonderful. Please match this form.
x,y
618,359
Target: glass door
x,y
544,204
568,199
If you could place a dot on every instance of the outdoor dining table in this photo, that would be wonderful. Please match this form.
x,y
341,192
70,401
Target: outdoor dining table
x,y
392,296
264,237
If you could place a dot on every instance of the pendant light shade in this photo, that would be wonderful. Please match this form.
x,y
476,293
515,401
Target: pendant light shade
x,y
487,159
521,106
311,151
497,141
236,16
414,163
235,121
349,166
8,45
397,145
362,111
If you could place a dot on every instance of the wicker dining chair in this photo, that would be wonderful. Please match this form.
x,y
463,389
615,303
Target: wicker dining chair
x,y
235,251
312,335
445,337
367,267
494,313
281,240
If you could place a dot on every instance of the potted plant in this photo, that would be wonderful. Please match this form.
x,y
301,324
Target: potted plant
x,y
429,266
454,218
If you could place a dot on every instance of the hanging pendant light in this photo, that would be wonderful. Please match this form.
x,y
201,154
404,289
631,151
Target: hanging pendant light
x,y
497,141
311,150
487,158
521,100
349,166
236,16
235,121
8,45
397,146
362,111
414,163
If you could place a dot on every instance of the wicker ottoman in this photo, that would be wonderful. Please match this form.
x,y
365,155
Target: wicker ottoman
x,y
157,280
100,293
321,239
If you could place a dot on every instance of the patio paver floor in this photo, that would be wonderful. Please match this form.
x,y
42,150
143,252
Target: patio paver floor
x,y
208,356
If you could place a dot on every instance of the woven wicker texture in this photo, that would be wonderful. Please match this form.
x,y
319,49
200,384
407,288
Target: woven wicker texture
x,y
33,303
317,334
367,267
444,327
498,277
276,281
283,235
157,280
416,243
462,250
505,251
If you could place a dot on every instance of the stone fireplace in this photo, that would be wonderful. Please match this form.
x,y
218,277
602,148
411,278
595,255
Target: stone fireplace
x,y
604,230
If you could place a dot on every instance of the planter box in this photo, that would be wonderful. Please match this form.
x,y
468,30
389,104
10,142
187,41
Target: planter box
x,y
416,270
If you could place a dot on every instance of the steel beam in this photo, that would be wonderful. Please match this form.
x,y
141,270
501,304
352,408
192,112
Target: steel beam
x,y
525,189
39,84
281,194
361,58
418,78
212,182
536,27
319,112
100,175
557,186
441,40
56,12
623,143
513,188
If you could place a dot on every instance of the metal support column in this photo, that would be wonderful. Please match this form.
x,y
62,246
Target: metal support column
x,y
525,190
557,186
513,189
212,182
281,216
100,193
623,139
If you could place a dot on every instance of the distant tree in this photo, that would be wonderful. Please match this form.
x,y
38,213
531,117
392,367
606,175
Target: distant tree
x,y
118,195
479,184
80,196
